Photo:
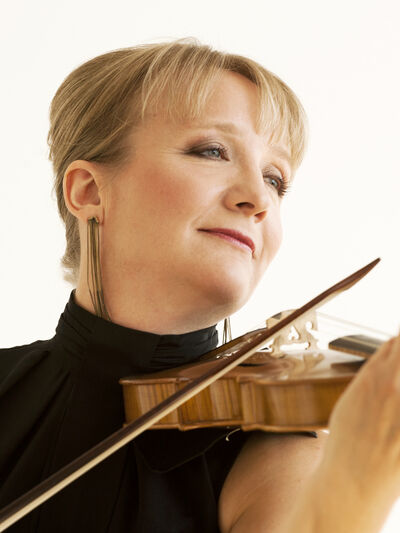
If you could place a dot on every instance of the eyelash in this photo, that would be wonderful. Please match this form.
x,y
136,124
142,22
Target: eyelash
x,y
284,186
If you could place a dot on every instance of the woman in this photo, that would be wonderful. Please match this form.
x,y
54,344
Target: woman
x,y
171,163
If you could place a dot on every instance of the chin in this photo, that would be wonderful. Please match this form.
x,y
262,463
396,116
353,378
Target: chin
x,y
227,293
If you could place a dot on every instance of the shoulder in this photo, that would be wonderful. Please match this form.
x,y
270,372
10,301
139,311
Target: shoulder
x,y
266,476
19,363
32,385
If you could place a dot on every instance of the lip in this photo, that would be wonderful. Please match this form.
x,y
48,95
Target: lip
x,y
234,234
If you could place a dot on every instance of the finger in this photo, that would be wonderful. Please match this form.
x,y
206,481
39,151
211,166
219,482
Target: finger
x,y
388,355
395,346
383,352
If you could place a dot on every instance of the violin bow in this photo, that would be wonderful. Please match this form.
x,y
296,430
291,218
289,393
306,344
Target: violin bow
x,y
235,352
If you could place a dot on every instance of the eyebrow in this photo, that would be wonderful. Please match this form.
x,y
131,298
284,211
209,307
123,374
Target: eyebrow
x,y
230,127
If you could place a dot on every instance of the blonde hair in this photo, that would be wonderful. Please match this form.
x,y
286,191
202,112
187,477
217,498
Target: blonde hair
x,y
99,104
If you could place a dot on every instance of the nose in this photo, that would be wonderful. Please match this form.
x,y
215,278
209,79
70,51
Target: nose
x,y
249,195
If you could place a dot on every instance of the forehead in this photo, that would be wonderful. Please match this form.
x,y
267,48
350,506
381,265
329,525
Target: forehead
x,y
226,94
231,98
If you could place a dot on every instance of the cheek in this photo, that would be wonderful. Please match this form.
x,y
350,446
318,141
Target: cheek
x,y
272,239
277,235
157,204
174,196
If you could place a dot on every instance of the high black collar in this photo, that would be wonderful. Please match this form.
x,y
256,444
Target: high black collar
x,y
83,332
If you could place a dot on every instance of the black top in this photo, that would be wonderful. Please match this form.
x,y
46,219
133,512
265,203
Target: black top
x,y
59,397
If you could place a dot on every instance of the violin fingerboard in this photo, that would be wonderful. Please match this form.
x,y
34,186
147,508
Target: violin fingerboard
x,y
361,345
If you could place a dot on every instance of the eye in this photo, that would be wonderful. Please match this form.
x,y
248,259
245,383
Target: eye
x,y
278,183
218,150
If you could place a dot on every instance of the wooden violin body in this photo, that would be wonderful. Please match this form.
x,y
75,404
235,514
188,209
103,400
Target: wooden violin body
x,y
289,391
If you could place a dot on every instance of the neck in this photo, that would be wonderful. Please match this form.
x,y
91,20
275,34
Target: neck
x,y
164,314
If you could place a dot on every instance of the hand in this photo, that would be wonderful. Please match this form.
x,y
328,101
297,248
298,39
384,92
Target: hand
x,y
364,440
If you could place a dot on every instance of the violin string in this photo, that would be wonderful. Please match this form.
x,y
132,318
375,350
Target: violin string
x,y
352,324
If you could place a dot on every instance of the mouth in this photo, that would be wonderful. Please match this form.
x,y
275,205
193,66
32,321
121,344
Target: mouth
x,y
235,237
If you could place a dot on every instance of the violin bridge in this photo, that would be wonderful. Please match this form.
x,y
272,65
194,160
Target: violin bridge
x,y
300,332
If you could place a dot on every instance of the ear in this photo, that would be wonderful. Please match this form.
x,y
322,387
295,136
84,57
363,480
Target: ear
x,y
81,187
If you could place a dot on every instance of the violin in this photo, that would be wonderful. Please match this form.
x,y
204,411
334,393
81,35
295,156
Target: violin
x,y
292,384
233,400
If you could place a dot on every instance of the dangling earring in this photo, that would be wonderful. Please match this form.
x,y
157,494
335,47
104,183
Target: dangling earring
x,y
93,264
227,333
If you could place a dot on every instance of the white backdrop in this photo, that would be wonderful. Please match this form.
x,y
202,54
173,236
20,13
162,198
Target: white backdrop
x,y
342,60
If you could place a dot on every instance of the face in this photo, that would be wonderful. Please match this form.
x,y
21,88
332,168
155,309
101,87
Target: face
x,y
193,220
